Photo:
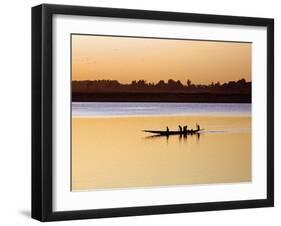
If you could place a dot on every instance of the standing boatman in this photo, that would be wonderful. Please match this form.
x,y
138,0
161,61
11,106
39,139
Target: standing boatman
x,y
167,128
180,129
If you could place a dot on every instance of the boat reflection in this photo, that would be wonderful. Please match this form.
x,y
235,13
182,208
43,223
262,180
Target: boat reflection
x,y
181,136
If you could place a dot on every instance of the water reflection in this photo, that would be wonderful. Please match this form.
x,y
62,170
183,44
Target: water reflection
x,y
115,152
181,136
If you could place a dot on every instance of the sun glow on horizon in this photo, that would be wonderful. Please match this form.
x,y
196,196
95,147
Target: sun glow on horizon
x,y
126,59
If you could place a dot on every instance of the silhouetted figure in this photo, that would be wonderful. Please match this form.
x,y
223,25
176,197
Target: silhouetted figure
x,y
185,129
198,127
180,128
167,128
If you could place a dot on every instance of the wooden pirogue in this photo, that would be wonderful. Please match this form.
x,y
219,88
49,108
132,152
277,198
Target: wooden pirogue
x,y
168,133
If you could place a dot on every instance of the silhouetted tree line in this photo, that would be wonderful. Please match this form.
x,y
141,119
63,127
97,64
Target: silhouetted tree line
x,y
112,86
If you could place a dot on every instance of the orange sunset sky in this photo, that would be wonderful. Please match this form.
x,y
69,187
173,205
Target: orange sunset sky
x,y
126,59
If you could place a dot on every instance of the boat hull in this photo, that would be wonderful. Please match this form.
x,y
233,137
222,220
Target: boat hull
x,y
168,133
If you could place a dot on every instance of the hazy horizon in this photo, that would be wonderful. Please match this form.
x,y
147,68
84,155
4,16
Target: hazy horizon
x,y
166,81
129,58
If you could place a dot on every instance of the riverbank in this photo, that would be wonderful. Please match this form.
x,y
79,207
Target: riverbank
x,y
162,97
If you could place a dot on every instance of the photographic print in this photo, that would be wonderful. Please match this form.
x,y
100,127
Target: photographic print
x,y
139,112
157,112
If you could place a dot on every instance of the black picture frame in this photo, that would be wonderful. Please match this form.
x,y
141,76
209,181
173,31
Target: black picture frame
x,y
42,197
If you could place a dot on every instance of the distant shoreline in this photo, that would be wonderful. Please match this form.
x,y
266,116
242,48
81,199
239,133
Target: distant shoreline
x,y
162,97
